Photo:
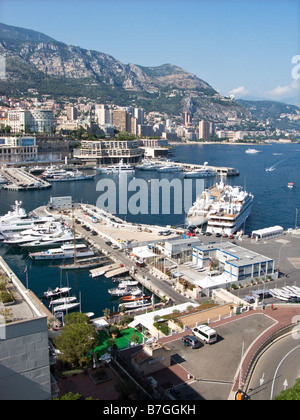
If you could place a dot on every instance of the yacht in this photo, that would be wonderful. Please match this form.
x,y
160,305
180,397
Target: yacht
x,y
34,234
121,167
18,220
64,252
51,240
54,171
223,207
63,300
69,176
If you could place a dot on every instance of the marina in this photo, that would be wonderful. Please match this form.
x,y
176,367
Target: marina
x,y
135,231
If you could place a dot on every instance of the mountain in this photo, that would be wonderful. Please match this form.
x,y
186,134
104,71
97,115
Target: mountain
x,y
277,114
36,61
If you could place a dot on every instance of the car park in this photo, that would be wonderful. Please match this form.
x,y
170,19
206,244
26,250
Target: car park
x,y
205,333
191,341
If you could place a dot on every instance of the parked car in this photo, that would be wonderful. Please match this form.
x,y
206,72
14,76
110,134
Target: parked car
x,y
191,341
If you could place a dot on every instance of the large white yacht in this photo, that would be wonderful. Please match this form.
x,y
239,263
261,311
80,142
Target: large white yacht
x,y
18,220
223,207
34,234
121,167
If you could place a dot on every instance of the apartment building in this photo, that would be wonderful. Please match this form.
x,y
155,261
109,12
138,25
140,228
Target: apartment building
x,y
31,121
206,129
109,151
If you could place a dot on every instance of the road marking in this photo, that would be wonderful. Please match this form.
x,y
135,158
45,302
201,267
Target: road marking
x,y
262,380
275,374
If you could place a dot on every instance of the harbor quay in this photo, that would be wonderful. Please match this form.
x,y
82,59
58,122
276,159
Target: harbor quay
x,y
168,258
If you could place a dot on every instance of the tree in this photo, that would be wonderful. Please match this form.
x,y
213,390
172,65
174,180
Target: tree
x,y
76,340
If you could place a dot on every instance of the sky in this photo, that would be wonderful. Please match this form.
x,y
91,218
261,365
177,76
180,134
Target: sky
x,y
246,48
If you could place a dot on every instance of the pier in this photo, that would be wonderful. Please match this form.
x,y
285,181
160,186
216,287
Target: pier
x,y
220,170
18,179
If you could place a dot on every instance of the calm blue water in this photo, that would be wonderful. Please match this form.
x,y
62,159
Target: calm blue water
x,y
274,204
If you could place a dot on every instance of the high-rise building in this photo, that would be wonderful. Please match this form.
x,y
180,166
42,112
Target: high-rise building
x,y
103,115
206,129
72,113
187,118
122,120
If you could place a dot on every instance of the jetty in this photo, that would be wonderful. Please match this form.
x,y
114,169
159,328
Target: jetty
x,y
18,180
186,167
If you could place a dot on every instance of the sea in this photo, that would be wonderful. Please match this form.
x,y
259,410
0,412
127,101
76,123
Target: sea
x,y
274,204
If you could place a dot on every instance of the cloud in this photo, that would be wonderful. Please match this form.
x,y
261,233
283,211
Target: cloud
x,y
282,92
239,91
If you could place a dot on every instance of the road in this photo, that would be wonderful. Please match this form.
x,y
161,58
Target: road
x,y
156,284
277,369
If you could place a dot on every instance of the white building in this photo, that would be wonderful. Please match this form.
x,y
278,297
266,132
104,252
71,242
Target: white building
x,y
234,262
34,120
18,149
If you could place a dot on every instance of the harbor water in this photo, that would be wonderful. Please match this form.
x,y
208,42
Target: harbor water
x,y
274,204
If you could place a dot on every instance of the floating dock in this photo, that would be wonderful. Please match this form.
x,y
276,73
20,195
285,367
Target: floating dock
x,y
18,180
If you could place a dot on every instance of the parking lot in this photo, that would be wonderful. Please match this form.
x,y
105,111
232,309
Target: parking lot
x,y
213,367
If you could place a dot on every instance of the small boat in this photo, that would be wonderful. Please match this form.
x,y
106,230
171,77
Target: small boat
x,y
131,298
97,273
61,301
136,304
124,291
66,307
56,292
128,283
290,185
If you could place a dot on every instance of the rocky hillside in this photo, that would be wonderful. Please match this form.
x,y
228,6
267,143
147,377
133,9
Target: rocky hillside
x,y
36,61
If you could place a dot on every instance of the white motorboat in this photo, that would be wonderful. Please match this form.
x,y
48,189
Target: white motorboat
x,y
56,292
121,167
128,283
18,220
66,251
97,273
136,304
252,151
290,185
224,208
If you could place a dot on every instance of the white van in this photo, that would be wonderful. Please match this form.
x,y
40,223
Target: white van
x,y
205,333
